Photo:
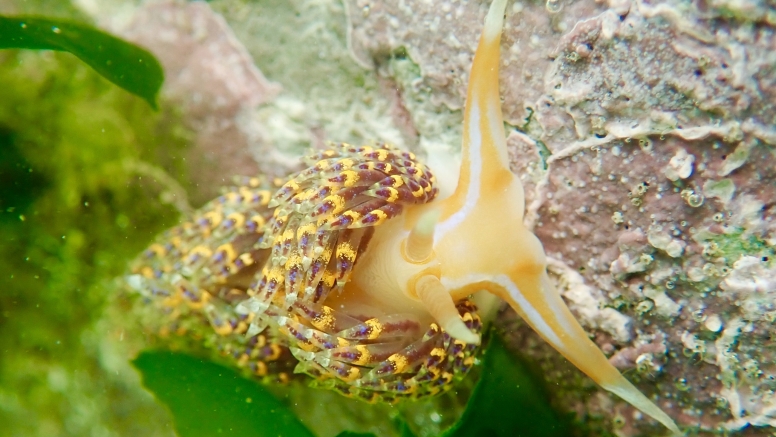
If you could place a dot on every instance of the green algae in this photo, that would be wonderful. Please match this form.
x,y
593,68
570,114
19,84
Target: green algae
x,y
70,219
508,401
207,399
126,65
734,244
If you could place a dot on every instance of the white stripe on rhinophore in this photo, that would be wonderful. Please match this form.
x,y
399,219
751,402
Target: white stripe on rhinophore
x,y
499,136
530,312
475,169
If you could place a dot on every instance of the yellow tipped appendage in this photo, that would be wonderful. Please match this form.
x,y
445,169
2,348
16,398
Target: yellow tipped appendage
x,y
440,305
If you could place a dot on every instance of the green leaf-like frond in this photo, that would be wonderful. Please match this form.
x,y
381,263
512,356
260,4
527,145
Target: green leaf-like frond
x,y
207,399
126,65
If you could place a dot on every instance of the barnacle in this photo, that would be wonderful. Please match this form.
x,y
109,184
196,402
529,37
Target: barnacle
x,y
355,270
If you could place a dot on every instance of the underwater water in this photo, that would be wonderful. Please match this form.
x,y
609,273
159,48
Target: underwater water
x,y
72,215
646,150
75,211
89,175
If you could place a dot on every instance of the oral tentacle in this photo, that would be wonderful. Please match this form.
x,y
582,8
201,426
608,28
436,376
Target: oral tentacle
x,y
628,392
550,317
440,305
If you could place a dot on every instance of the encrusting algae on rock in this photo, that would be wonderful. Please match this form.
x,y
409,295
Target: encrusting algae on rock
x,y
356,272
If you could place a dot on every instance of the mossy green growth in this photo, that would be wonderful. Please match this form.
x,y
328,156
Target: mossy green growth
x,y
734,244
71,214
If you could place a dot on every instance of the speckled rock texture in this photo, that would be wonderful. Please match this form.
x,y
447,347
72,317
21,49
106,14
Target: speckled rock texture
x,y
212,79
643,131
645,136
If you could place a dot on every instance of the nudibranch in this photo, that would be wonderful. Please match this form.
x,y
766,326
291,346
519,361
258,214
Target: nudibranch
x,y
359,274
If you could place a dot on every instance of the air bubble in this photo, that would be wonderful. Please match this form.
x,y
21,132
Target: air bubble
x,y
554,6
682,384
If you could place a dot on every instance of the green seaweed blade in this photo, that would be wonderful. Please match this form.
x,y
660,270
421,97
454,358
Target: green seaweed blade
x,y
207,399
126,65
508,401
